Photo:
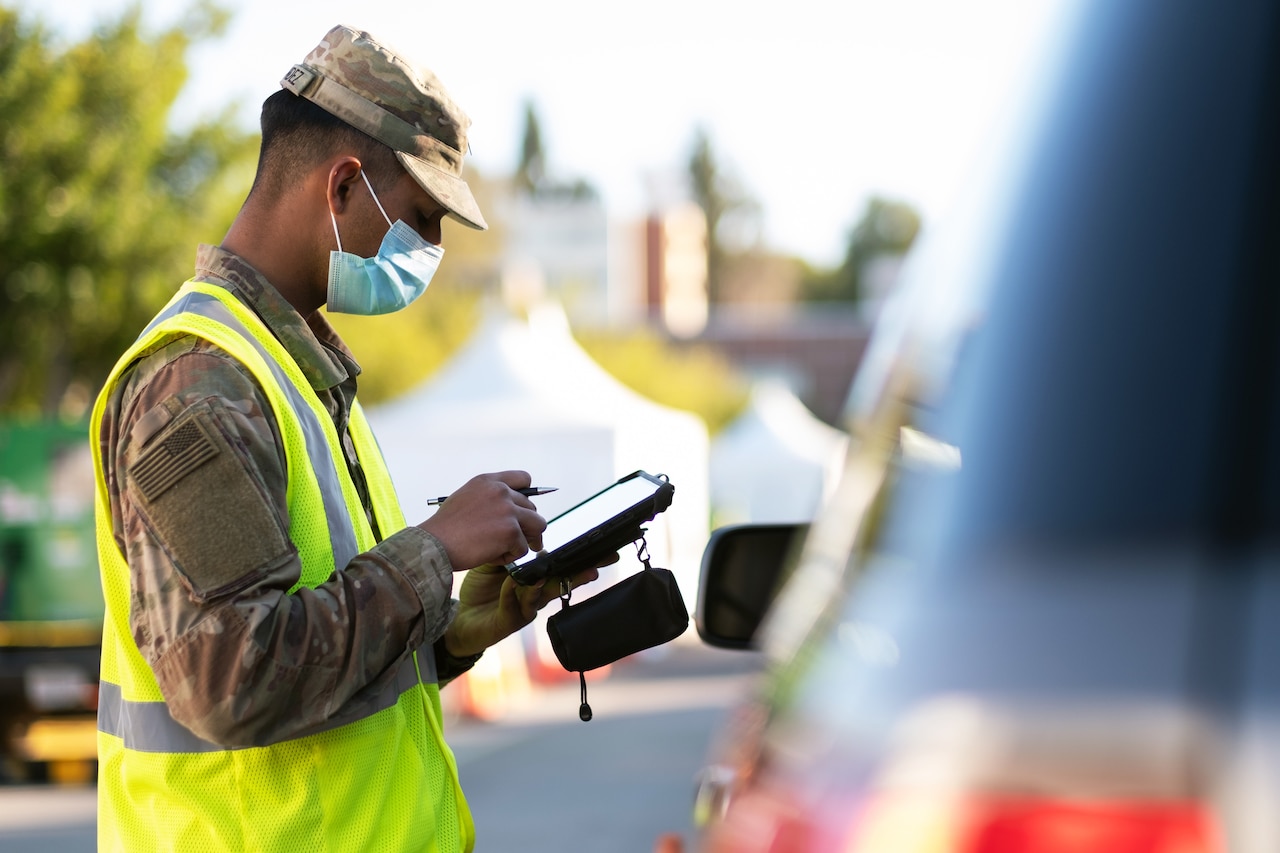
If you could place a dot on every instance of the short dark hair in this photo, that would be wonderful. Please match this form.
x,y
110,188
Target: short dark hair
x,y
297,135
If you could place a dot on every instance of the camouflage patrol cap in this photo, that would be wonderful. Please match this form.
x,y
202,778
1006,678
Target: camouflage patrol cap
x,y
374,90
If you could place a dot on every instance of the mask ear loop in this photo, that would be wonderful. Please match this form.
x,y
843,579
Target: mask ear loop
x,y
584,710
375,198
334,219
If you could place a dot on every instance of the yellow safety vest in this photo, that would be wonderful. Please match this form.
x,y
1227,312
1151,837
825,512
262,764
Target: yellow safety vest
x,y
387,782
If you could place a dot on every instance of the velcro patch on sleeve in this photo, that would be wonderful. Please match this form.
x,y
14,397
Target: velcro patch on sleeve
x,y
174,457
205,505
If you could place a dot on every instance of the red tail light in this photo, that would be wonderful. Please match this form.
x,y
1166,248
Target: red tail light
x,y
993,824
918,823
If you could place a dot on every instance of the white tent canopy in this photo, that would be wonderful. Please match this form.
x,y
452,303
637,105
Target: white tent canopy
x,y
776,462
524,395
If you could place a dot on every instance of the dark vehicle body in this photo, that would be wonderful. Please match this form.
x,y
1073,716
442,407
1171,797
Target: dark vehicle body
x,y
1042,611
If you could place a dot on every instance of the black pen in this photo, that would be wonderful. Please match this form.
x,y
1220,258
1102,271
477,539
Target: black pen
x,y
531,492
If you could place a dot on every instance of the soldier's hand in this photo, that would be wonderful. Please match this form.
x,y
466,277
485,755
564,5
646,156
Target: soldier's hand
x,y
487,522
491,605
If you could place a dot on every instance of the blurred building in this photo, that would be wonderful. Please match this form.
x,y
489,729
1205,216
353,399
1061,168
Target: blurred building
x,y
658,271
675,269
653,271
556,245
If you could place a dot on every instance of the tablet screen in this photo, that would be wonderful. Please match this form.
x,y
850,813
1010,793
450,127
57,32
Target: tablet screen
x,y
592,513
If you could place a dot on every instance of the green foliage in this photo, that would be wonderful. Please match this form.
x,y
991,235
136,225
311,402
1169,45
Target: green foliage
x,y
886,228
691,377
101,204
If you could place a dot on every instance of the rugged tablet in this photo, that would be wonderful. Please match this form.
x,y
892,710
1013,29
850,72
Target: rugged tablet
x,y
582,536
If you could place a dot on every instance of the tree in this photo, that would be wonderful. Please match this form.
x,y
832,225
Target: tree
x,y
101,203
887,228
532,170
532,178
723,203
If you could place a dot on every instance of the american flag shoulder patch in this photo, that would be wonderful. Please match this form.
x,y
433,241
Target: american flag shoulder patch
x,y
174,456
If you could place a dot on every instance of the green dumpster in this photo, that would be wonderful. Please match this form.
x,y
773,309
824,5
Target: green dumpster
x,y
51,605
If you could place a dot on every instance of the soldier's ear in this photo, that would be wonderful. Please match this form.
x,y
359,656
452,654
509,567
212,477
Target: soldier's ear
x,y
344,175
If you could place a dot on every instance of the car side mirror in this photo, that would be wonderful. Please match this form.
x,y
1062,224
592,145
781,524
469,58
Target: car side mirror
x,y
742,568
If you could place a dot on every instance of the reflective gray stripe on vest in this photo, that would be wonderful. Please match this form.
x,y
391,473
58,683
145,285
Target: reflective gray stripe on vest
x,y
148,727
341,529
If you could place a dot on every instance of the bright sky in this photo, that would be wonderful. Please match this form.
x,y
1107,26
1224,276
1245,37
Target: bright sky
x,y
813,105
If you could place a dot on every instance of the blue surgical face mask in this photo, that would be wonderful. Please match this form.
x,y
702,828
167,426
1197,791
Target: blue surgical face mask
x,y
388,281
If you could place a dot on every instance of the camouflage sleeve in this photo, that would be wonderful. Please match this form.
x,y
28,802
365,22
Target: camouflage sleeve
x,y
240,660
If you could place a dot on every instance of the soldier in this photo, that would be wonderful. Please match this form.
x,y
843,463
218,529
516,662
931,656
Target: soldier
x,y
276,635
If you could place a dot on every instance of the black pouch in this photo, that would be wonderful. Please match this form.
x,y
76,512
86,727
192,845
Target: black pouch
x,y
637,613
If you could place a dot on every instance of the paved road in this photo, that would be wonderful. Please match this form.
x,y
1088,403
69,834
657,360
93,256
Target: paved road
x,y
539,780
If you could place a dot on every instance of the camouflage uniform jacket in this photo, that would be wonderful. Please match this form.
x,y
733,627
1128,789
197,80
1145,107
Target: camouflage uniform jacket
x,y
239,661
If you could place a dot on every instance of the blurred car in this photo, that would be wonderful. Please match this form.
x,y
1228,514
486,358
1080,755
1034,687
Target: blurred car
x,y
1042,611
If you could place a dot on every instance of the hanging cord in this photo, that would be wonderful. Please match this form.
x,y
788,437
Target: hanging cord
x,y
584,710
